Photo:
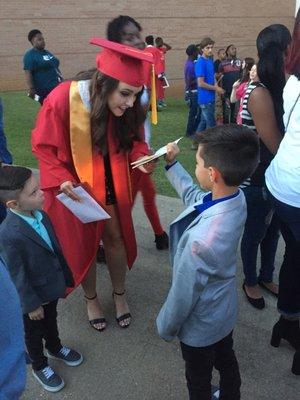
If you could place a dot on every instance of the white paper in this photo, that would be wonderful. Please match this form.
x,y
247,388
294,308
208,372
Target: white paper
x,y
160,152
87,209
163,150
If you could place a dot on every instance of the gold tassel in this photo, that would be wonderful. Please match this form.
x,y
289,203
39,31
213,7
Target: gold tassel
x,y
153,98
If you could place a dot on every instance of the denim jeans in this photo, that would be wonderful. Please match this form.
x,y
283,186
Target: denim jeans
x,y
199,364
261,230
289,277
5,155
2,212
194,113
207,117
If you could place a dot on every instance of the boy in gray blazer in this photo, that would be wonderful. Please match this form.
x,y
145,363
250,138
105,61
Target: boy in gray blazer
x,y
201,306
38,269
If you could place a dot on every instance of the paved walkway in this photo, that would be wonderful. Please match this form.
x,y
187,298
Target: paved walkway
x,y
134,364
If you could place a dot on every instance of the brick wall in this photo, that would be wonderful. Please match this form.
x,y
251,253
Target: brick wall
x,y
68,25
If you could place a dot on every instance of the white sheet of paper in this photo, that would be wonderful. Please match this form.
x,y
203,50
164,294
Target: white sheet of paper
x,y
86,210
163,150
160,152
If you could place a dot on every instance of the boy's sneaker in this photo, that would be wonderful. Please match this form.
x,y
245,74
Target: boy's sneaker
x,y
68,356
162,241
215,393
49,379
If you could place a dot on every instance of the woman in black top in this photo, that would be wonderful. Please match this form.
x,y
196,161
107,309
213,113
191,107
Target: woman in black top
x,y
263,112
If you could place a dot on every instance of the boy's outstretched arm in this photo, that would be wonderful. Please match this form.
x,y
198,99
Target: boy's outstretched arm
x,y
188,282
180,179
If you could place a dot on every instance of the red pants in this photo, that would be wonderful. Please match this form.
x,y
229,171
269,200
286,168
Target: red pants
x,y
160,91
143,183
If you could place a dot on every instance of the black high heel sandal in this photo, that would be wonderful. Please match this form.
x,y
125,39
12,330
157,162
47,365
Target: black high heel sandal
x,y
288,330
296,363
95,321
124,316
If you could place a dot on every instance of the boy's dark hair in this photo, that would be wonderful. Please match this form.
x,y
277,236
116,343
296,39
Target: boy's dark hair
x,y
115,27
159,41
227,49
191,49
12,182
205,42
232,149
32,34
149,40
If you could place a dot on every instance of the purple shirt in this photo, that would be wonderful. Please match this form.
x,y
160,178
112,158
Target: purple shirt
x,y
189,75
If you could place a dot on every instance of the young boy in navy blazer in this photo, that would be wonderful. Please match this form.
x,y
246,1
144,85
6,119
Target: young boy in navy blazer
x,y
201,307
38,269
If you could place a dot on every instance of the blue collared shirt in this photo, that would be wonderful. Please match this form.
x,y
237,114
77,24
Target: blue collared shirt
x,y
208,202
36,223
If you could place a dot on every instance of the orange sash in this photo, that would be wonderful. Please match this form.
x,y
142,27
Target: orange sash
x,y
80,136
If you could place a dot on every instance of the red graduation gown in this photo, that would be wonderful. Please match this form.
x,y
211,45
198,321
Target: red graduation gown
x,y
51,145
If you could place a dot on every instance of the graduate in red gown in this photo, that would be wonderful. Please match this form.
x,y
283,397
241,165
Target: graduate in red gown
x,y
89,131
163,48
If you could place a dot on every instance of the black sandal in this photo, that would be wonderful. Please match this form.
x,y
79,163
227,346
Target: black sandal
x,y
124,316
95,321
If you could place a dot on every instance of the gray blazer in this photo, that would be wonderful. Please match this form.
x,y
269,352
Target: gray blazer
x,y
201,307
39,273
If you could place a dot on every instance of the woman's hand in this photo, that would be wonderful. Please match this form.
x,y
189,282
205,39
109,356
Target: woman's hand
x,y
67,188
236,84
172,152
149,167
37,314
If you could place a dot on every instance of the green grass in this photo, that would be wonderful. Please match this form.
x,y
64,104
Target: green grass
x,y
19,118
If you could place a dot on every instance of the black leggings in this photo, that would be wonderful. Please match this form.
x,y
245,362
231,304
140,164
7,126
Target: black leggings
x,y
289,277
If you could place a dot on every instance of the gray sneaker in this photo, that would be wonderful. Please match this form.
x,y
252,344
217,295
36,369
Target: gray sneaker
x,y
68,356
49,379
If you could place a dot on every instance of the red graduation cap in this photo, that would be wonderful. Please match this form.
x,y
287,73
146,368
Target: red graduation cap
x,y
121,62
126,64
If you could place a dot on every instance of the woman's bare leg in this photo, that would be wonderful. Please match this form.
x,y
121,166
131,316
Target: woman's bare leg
x,y
94,309
116,261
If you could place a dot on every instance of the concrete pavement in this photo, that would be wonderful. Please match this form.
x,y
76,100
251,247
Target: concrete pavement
x,y
135,364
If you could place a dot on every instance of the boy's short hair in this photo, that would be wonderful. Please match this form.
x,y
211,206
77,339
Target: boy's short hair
x,y
149,40
206,41
12,181
232,149
32,34
115,27
191,49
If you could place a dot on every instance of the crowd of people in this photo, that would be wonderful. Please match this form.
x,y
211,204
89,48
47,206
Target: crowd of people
x,y
88,131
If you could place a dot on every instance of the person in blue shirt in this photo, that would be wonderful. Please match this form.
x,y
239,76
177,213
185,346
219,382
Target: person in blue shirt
x,y
207,87
5,155
12,346
37,267
41,68
201,306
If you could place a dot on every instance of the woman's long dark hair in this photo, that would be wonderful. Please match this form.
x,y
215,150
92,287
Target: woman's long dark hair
x,y
249,62
127,128
272,43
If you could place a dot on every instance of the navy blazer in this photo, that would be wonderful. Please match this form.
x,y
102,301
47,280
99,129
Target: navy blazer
x,y
39,273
